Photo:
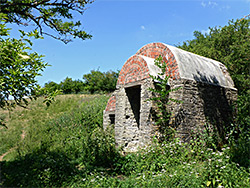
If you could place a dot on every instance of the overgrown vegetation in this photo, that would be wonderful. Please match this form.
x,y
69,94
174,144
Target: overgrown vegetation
x,y
19,64
161,99
93,82
65,146
230,45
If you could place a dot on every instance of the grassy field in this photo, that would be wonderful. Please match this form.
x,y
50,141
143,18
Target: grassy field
x,y
64,145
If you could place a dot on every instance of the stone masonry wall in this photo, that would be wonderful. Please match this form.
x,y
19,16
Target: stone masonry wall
x,y
128,132
202,103
135,114
109,111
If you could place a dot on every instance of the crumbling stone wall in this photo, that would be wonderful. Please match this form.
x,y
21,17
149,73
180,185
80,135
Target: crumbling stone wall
x,y
206,91
109,112
133,127
201,103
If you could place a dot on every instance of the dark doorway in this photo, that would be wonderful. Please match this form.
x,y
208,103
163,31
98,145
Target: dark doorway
x,y
134,97
112,119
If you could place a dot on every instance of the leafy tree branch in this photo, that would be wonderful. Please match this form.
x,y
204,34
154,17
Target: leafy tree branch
x,y
47,15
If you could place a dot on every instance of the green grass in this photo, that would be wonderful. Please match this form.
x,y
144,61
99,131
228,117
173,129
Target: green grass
x,y
34,117
65,146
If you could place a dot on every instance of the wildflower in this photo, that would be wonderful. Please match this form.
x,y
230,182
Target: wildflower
x,y
171,175
220,160
223,167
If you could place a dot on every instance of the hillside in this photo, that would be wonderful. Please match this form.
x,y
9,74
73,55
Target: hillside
x,y
64,145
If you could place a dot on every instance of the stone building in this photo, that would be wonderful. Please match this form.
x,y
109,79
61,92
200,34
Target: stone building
x,y
206,91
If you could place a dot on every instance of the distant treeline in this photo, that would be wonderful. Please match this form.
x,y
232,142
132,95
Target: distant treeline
x,y
93,82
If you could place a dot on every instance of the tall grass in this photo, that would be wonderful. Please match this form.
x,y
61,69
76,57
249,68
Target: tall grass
x,y
66,146
35,116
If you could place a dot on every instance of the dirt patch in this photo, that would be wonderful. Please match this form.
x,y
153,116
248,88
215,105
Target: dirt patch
x,y
6,153
23,134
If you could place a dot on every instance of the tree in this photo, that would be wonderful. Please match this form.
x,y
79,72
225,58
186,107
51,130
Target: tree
x,y
51,86
47,16
19,66
98,81
69,86
230,45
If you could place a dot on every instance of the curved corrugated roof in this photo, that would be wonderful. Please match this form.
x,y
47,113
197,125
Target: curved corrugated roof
x,y
180,65
199,68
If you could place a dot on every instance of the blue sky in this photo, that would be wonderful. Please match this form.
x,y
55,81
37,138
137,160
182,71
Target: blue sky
x,y
121,27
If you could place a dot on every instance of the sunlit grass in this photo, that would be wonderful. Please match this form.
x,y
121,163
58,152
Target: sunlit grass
x,y
23,120
65,146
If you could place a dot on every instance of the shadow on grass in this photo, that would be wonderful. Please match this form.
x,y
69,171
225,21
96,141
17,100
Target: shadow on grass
x,y
37,169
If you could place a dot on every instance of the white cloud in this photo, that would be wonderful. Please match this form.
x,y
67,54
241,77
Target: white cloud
x,y
203,4
143,27
209,4
225,7
212,4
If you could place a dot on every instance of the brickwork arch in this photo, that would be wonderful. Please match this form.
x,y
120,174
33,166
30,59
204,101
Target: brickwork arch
x,y
153,50
134,69
111,104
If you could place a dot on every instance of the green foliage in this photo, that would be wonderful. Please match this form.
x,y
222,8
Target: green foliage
x,y
51,86
94,82
53,18
40,168
70,149
19,65
161,99
97,81
19,68
230,45
69,86
50,97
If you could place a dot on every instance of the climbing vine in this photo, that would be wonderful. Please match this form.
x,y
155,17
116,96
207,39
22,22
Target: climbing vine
x,y
161,100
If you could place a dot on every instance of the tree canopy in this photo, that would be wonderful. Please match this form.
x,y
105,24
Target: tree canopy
x,y
230,45
97,81
19,65
50,17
